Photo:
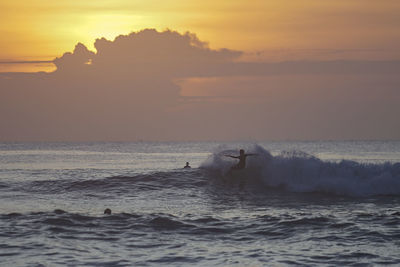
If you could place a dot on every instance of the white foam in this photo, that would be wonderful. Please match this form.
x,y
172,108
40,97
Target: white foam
x,y
299,172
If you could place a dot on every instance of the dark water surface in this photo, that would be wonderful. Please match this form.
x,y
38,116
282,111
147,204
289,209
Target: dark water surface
x,y
296,203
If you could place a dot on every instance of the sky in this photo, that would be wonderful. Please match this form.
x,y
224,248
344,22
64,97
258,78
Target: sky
x,y
199,70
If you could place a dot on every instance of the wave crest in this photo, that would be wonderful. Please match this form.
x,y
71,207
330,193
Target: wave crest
x,y
297,171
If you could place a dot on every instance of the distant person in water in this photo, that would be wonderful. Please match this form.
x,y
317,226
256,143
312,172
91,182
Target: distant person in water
x,y
187,166
242,160
107,211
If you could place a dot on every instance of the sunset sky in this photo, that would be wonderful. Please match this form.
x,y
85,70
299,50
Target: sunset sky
x,y
44,29
262,69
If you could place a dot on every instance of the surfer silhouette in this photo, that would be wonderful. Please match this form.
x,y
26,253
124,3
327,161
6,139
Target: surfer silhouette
x,y
242,160
187,166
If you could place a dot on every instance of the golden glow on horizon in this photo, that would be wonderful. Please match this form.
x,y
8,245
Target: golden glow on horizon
x,y
45,29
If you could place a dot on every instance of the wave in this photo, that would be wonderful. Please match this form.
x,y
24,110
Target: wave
x,y
63,222
116,184
293,171
119,225
296,171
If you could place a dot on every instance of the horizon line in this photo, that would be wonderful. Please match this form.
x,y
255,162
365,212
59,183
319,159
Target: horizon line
x,y
26,61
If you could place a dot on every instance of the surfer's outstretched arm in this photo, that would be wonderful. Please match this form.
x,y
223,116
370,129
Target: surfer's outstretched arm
x,y
235,157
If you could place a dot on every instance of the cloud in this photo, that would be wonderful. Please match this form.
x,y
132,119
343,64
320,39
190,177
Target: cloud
x,y
123,91
174,55
147,52
140,86
75,60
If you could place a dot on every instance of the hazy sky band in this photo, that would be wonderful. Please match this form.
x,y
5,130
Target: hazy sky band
x,y
169,86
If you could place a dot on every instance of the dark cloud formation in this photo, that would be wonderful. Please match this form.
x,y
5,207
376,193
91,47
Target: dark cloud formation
x,y
148,52
124,91
75,60
154,85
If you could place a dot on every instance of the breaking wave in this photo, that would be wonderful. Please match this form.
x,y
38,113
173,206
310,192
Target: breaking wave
x,y
293,171
297,171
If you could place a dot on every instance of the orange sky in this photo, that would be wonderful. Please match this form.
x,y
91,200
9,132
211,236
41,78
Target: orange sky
x,y
276,30
248,70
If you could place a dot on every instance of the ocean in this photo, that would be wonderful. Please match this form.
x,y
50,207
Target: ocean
x,y
296,203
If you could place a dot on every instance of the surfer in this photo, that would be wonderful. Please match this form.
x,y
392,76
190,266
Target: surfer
x,y
242,160
187,166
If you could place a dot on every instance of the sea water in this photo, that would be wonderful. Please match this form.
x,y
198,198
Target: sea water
x,y
295,203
